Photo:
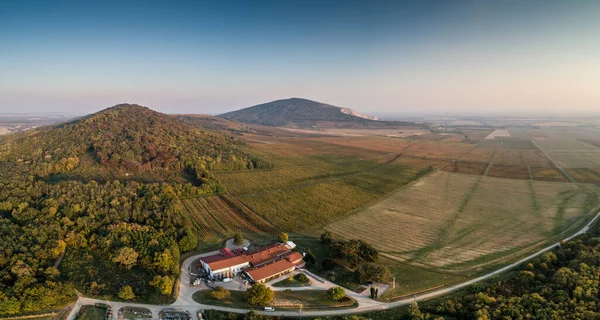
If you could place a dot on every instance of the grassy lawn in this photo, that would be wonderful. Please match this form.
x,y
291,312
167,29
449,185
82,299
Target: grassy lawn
x,y
289,283
310,299
91,313
235,300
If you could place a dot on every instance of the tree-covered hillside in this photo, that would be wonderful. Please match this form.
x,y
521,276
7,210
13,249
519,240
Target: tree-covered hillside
x,y
126,140
72,217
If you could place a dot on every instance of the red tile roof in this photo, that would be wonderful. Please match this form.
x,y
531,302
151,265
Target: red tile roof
x,y
227,263
228,258
274,268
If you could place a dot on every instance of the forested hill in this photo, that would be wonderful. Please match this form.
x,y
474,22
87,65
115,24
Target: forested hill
x,y
295,110
126,140
61,228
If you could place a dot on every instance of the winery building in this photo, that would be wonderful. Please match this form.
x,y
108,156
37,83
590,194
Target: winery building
x,y
259,265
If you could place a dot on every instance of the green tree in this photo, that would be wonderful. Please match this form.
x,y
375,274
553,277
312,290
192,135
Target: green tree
x,y
126,293
283,237
372,272
126,256
238,238
327,237
302,278
336,293
253,315
188,242
220,293
259,295
415,313
164,284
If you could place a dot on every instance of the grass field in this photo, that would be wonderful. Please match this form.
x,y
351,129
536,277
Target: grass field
x,y
585,175
211,216
236,299
306,191
566,146
521,157
289,283
451,221
309,299
90,312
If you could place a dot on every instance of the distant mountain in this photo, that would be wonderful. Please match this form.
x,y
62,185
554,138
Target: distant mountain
x,y
126,140
295,111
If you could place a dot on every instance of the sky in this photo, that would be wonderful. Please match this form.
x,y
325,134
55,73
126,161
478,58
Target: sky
x,y
373,56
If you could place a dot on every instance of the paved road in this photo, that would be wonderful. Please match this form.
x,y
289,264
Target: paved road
x,y
185,302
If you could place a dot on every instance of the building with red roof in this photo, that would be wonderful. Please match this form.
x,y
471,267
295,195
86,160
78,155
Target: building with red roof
x,y
268,261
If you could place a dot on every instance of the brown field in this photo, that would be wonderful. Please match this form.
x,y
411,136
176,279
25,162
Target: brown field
x,y
585,175
433,136
507,143
420,163
509,156
475,168
508,171
475,136
211,216
464,222
564,146
395,145
548,174
437,150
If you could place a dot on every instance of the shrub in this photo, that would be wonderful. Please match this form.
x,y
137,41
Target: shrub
x,y
302,278
238,239
336,293
220,293
283,237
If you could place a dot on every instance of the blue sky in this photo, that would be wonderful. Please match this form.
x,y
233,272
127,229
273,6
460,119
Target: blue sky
x,y
373,56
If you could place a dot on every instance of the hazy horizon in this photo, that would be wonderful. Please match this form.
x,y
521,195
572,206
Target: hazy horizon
x,y
461,57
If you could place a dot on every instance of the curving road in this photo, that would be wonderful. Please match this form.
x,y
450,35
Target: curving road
x,y
185,302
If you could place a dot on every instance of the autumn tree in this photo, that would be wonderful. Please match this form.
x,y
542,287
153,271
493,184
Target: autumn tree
x,y
259,295
238,239
164,284
336,293
283,237
220,293
126,256
126,293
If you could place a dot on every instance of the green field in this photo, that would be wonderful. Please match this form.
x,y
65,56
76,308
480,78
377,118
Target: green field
x,y
309,299
303,192
502,199
91,313
450,221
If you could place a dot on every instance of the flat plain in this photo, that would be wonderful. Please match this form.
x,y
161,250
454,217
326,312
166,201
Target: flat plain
x,y
438,206
451,221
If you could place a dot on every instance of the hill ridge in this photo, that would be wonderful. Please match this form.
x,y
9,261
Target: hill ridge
x,y
293,111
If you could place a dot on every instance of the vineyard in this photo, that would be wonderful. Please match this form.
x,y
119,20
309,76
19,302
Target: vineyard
x,y
450,221
466,167
508,171
585,175
548,174
212,217
303,192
